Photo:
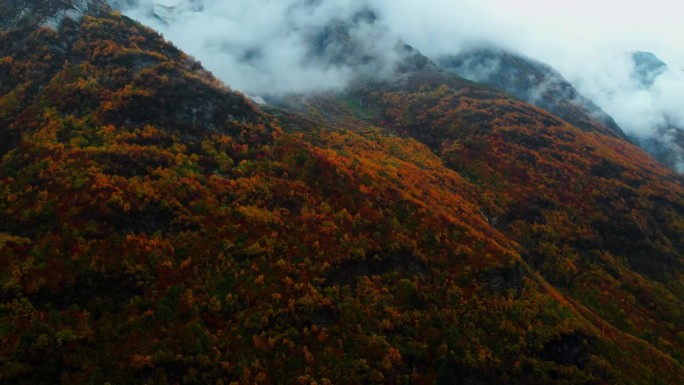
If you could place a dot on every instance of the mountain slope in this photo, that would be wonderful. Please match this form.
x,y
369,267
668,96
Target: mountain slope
x,y
163,229
593,213
533,82
544,87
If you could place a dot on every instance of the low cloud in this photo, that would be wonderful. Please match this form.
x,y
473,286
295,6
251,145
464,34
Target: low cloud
x,y
265,46
272,46
635,107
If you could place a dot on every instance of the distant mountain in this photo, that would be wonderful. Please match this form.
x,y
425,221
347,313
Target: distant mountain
x,y
341,44
667,145
533,82
416,228
647,67
19,17
359,44
541,85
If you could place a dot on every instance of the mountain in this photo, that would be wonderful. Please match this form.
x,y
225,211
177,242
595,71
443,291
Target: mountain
x,y
416,228
667,144
647,67
668,147
533,82
354,44
541,85
345,43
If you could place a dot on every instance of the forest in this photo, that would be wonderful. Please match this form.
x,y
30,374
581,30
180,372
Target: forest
x,y
160,228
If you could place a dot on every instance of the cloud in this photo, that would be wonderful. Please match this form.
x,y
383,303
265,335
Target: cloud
x,y
569,36
637,109
265,46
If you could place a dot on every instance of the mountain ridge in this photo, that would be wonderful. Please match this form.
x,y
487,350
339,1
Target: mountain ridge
x,y
533,82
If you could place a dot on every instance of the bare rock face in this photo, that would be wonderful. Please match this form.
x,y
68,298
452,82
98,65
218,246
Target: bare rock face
x,y
532,81
48,14
20,22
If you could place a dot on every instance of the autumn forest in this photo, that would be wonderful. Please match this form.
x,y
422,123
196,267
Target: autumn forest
x,y
157,227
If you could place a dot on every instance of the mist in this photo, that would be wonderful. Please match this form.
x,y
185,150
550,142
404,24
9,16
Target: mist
x,y
264,47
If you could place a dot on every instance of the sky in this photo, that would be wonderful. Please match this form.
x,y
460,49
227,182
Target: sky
x,y
587,41
545,28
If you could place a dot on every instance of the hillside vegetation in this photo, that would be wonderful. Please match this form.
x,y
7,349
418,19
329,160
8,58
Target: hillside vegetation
x,y
158,227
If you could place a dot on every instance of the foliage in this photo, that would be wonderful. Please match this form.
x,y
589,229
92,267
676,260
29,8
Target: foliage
x,y
159,228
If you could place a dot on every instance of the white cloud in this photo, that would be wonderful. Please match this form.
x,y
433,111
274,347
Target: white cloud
x,y
588,41
262,46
